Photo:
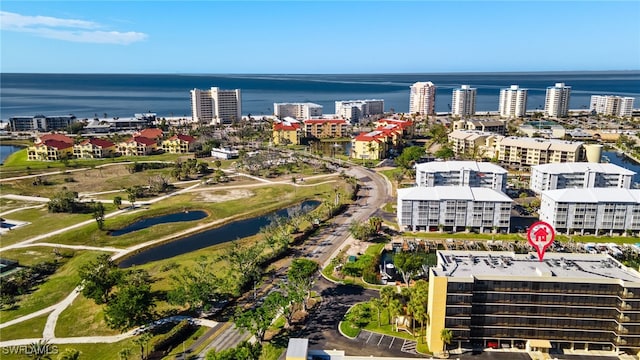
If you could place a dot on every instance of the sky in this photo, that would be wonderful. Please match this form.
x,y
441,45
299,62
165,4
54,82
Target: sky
x,y
317,36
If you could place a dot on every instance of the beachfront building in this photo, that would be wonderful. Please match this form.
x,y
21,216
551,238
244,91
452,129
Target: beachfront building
x,y
453,208
569,301
216,106
492,126
556,102
579,175
463,101
40,123
137,146
94,148
325,128
612,105
286,133
298,111
526,151
179,144
592,210
473,143
354,110
461,173
513,102
422,99
225,153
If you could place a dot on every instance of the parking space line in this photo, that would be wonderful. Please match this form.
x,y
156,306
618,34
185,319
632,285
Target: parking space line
x,y
369,338
393,338
379,341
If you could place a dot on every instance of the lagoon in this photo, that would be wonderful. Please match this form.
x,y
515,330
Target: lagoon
x,y
231,231
163,219
6,150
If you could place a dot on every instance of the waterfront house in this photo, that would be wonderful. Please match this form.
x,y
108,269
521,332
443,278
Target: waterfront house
x,y
50,150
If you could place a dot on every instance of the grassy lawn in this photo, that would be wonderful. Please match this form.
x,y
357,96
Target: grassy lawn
x,y
271,352
349,329
469,236
176,351
83,318
28,329
52,291
98,351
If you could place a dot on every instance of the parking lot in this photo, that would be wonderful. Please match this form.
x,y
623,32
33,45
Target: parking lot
x,y
386,342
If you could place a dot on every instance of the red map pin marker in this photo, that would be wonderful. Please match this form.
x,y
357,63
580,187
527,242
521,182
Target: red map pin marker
x,y
540,236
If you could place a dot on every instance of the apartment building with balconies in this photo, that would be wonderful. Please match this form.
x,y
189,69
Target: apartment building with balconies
x,y
461,173
579,175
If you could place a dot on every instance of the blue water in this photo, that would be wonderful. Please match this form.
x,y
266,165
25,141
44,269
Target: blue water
x,y
164,219
6,150
625,162
87,95
231,231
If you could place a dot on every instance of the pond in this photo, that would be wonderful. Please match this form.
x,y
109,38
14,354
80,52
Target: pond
x,y
6,150
626,162
164,219
232,231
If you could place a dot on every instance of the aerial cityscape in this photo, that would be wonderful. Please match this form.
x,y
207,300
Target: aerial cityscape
x,y
398,180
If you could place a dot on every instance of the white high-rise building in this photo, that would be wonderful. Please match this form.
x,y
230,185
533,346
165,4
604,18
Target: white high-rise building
x,y
353,110
513,102
612,105
463,102
423,98
216,106
556,103
300,111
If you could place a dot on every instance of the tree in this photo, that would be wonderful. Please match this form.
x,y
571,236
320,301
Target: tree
x,y
376,223
142,340
360,231
132,194
99,277
387,294
117,201
418,302
69,354
98,214
40,350
395,309
409,156
446,336
132,304
408,264
244,351
445,153
438,133
124,354
64,201
217,164
257,320
378,305
301,274
196,287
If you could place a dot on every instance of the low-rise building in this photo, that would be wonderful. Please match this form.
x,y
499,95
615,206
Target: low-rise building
x,y
179,144
225,153
491,126
40,123
592,210
154,134
407,127
325,128
137,146
534,151
298,111
453,208
286,133
369,146
545,129
473,143
579,175
50,150
461,173
584,302
354,110
94,148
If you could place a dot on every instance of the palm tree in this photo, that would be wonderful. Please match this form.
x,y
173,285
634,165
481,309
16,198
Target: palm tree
x,y
445,335
377,304
386,295
40,349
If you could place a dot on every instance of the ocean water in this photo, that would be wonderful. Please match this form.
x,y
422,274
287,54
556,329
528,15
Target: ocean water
x,y
87,95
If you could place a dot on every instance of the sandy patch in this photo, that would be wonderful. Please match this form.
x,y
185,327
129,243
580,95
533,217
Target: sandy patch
x,y
224,195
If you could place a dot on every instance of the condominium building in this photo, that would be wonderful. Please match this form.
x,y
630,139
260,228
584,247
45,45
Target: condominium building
x,y
534,151
298,111
579,175
286,133
423,98
453,208
612,105
94,148
473,143
40,123
587,302
556,102
513,102
492,126
461,173
216,106
463,102
354,110
592,210
325,128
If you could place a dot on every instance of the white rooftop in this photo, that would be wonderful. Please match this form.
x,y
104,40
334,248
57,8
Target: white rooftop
x,y
558,267
543,144
582,167
448,166
594,195
437,193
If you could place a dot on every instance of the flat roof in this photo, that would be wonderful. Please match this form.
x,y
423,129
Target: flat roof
x,y
437,193
297,348
582,167
594,195
507,265
447,166
543,144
